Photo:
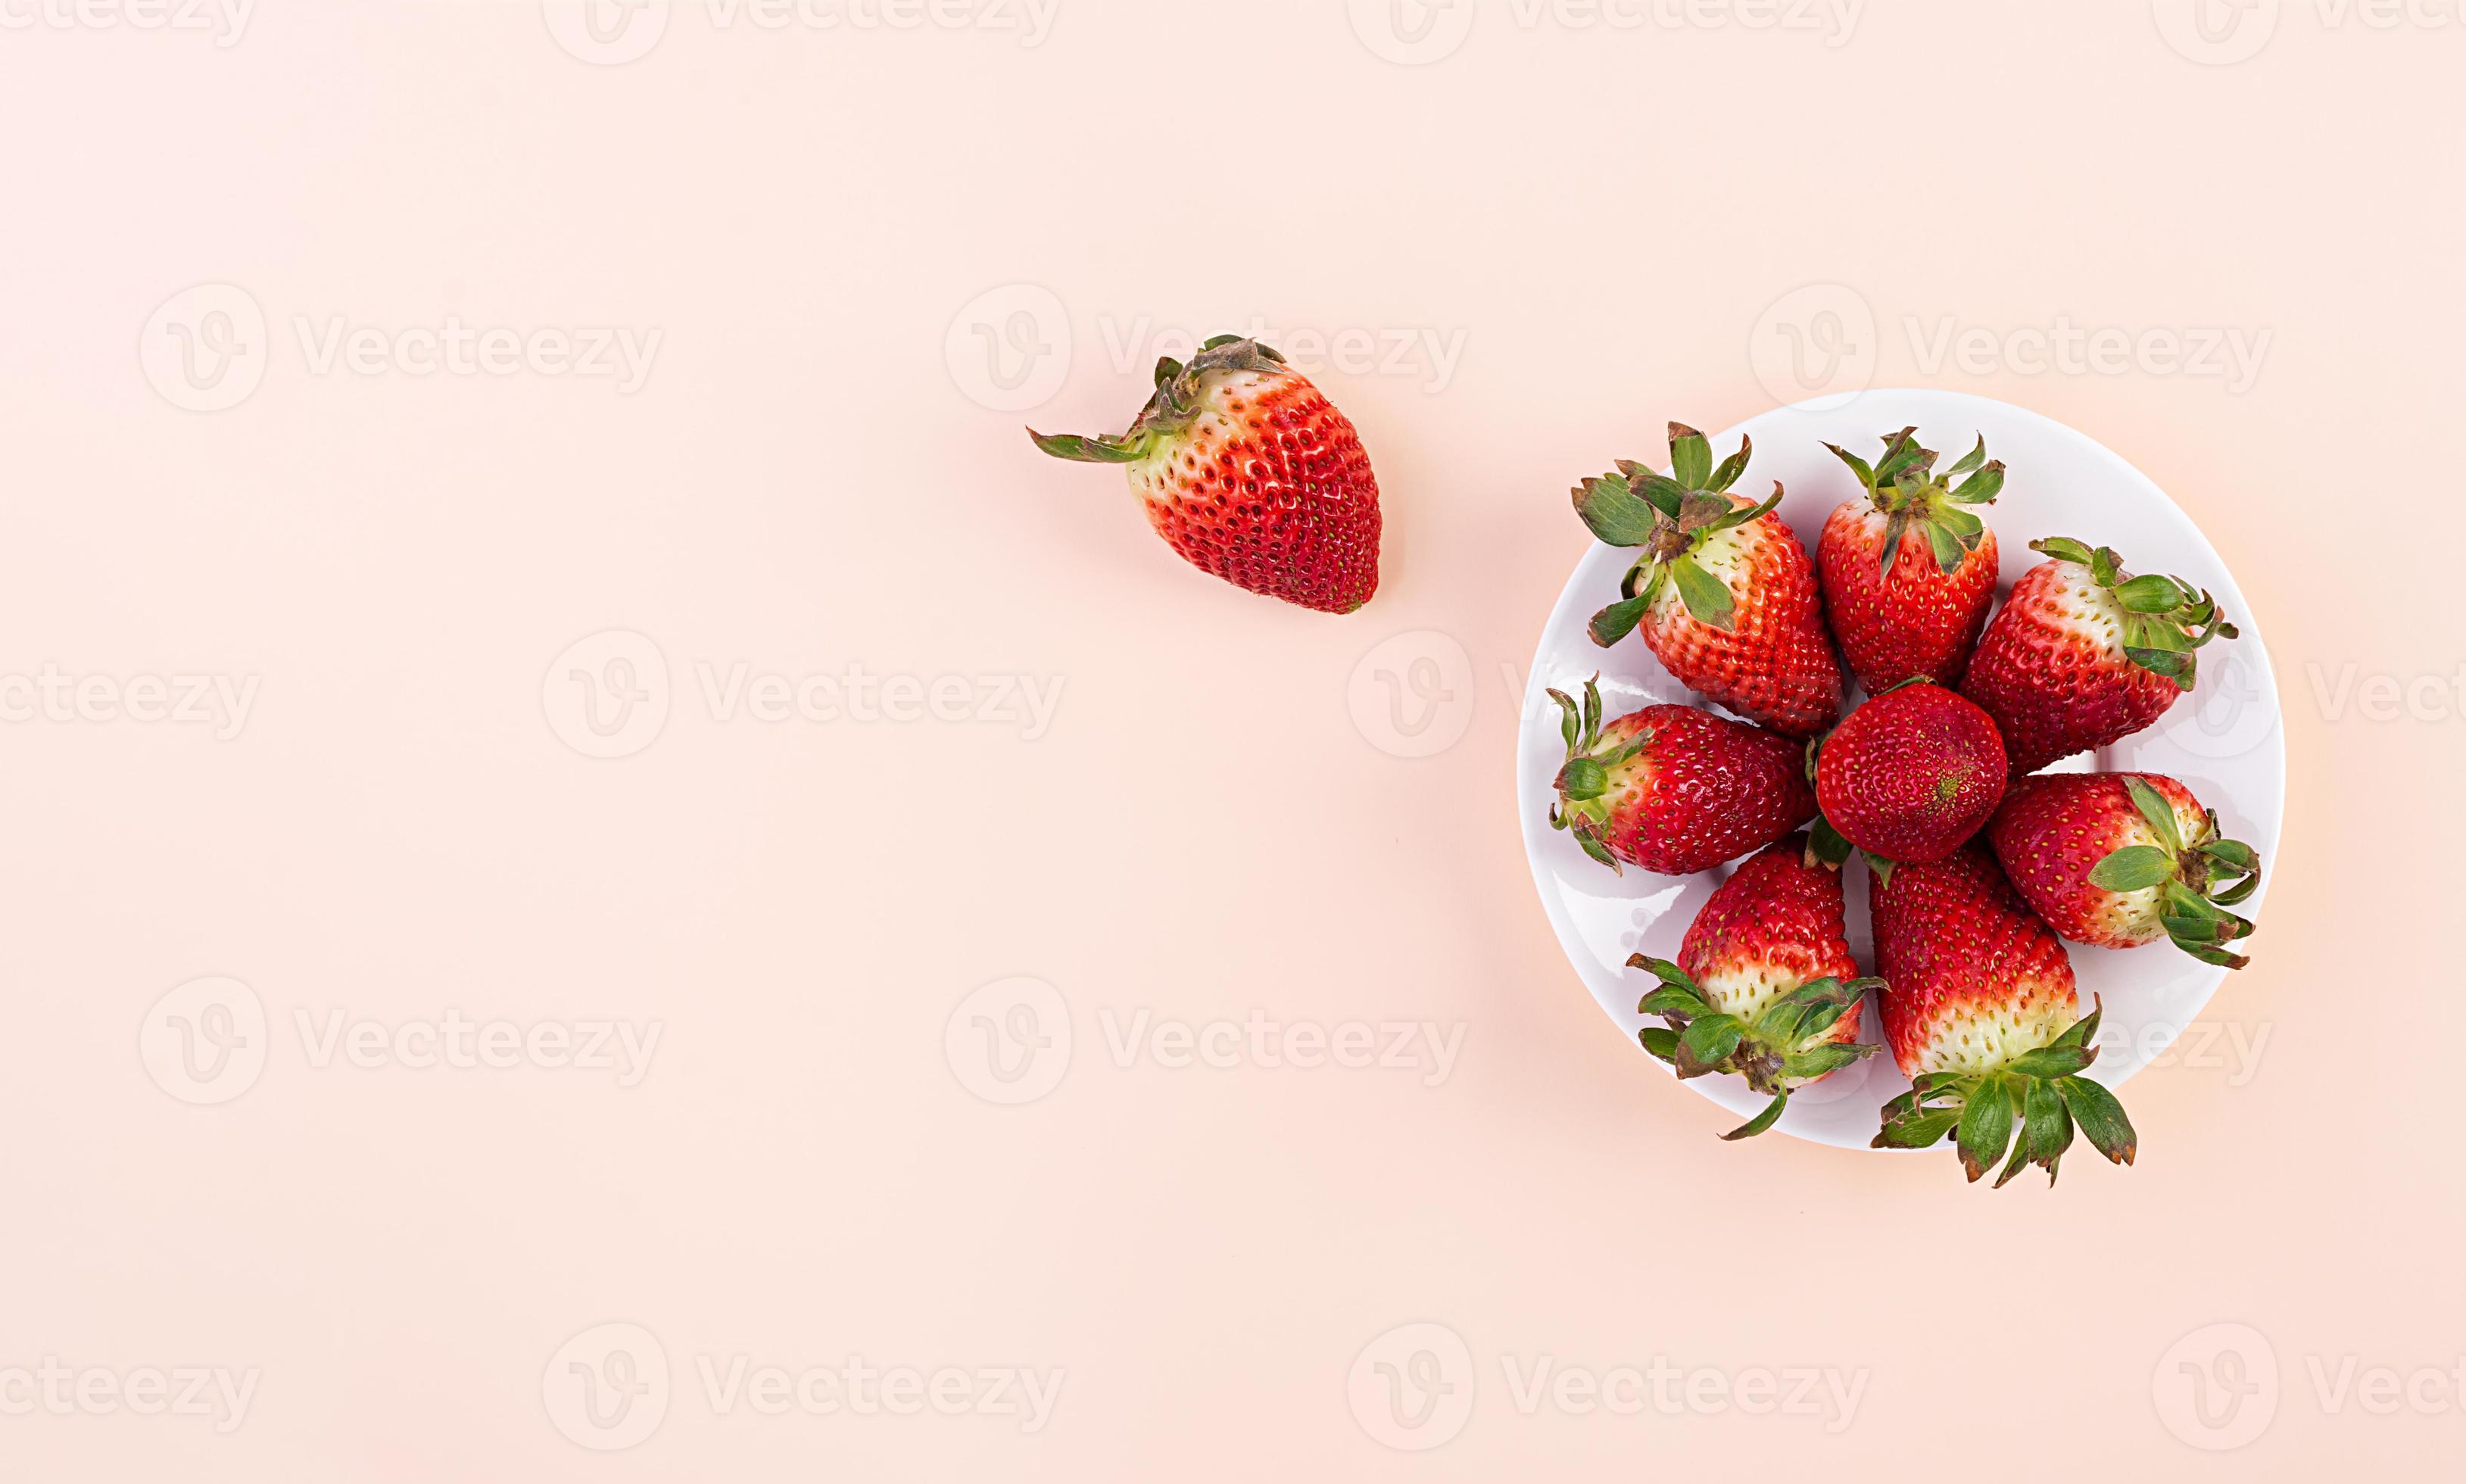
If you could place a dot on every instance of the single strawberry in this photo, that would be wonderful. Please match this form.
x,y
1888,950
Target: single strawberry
x,y
2118,860
2082,655
1980,1011
1910,776
1764,986
1723,593
1674,789
1252,474
1909,568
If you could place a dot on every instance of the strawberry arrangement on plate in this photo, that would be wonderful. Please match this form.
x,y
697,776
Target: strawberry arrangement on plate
x,y
1983,867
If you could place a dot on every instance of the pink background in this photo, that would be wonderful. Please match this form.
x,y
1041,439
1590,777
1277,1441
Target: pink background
x,y
823,469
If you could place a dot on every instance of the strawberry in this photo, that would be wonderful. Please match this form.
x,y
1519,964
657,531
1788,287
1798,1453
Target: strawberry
x,y
1252,474
1765,986
2122,859
1724,595
2082,655
1910,776
1674,789
1908,568
1980,1011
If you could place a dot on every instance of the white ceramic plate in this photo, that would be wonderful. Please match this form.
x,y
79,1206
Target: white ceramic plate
x,y
2223,740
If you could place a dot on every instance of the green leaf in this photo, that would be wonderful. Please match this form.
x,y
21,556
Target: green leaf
x,y
2155,809
1962,523
1947,546
1670,1000
1896,525
2045,1125
1611,511
1763,1120
1690,455
1618,620
1699,510
1584,778
1986,1127
1901,451
2150,594
1661,1041
1665,971
1733,466
2063,548
1968,460
1704,594
1920,1130
1711,1038
2019,1161
1660,491
2100,1118
1593,846
2049,1062
2133,869
2083,1032
2232,854
1865,471
1827,844
1088,450
2105,565
1817,1061
1981,488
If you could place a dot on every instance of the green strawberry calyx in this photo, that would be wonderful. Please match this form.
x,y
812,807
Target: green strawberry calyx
x,y
2166,620
1180,394
2197,879
1783,1049
2039,1094
1584,784
1905,488
1670,517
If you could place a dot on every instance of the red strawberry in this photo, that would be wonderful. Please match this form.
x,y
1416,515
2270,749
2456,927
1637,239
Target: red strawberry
x,y
1250,473
1980,1011
2122,859
1909,572
1765,986
1723,593
2082,655
1911,776
1674,789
